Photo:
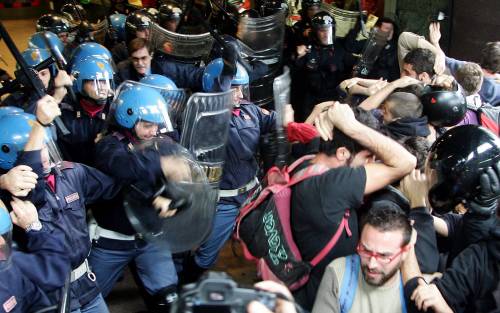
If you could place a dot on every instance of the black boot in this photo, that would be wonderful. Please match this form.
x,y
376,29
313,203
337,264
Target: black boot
x,y
162,301
191,271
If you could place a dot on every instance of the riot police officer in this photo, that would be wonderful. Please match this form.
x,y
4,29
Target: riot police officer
x,y
136,25
139,114
26,277
170,15
322,65
302,29
93,87
62,191
54,81
248,123
58,25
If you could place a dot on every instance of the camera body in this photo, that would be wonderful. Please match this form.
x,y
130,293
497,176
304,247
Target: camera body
x,y
217,292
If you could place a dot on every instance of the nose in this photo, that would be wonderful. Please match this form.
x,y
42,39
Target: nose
x,y
239,93
372,264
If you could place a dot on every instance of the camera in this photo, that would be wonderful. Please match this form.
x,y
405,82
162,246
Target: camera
x,y
439,16
216,292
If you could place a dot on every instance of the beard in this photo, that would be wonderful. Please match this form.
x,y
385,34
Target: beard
x,y
381,278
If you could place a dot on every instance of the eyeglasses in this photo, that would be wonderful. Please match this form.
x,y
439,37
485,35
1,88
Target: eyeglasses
x,y
381,258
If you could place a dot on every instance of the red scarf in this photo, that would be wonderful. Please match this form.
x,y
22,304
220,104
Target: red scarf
x,y
91,108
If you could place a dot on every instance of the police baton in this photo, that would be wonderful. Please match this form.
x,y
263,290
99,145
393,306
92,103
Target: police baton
x,y
60,62
27,76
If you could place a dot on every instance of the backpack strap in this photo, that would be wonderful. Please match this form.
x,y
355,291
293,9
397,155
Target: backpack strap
x,y
402,294
329,246
349,283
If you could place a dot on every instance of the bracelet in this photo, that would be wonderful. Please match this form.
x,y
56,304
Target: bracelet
x,y
39,122
35,226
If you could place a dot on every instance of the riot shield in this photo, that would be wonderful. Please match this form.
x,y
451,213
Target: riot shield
x,y
181,46
100,31
345,20
374,45
187,191
282,92
205,130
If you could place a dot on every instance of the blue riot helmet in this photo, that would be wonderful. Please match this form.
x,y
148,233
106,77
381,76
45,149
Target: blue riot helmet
x,y
159,81
117,22
136,103
240,81
35,56
94,79
9,110
5,237
91,49
14,134
36,41
15,129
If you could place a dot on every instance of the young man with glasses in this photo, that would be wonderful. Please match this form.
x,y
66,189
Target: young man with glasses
x,y
369,281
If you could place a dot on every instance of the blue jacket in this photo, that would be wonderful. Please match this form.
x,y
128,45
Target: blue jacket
x,y
245,130
184,75
23,285
76,186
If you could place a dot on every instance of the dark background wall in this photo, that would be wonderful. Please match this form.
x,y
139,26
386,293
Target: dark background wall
x,y
474,22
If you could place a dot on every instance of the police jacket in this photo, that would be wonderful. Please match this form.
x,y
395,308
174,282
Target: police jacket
x,y
184,75
248,123
76,186
78,146
23,100
115,156
324,68
23,285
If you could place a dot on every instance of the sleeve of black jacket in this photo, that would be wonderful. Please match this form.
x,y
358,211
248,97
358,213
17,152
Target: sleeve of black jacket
x,y
426,245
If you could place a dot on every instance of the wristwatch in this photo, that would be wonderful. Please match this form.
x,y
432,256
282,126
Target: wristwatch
x,y
35,226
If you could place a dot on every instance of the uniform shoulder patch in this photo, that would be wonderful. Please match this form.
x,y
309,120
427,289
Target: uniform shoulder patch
x,y
264,111
10,304
67,165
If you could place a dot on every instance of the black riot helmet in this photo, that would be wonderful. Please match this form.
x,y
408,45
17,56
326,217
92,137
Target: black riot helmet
x,y
54,23
455,163
324,28
442,107
137,21
310,8
75,13
170,15
270,7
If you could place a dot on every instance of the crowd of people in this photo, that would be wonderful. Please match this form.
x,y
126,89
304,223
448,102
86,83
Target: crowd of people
x,y
406,137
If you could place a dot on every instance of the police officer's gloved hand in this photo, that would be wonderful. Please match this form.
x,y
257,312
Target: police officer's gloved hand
x,y
181,198
486,202
230,56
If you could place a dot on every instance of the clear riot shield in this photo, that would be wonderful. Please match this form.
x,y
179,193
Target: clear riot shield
x,y
374,45
262,39
183,187
205,130
100,31
181,46
345,20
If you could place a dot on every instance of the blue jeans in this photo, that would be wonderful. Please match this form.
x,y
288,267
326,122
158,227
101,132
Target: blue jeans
x,y
223,225
154,267
95,306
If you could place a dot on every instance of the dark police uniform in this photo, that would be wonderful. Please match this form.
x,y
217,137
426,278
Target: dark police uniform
x,y
23,285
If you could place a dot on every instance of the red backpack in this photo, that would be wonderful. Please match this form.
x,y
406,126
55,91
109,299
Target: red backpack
x,y
263,226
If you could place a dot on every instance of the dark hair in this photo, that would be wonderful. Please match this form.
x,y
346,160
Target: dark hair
x,y
416,89
422,60
470,77
342,140
137,44
490,59
386,20
419,147
388,218
404,104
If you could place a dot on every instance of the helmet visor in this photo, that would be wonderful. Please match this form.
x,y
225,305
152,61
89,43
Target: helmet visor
x,y
144,108
240,93
325,34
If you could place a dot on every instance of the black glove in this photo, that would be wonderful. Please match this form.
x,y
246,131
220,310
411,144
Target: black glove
x,y
181,198
486,202
230,54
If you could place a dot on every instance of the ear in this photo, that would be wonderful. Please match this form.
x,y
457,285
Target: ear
x,y
425,78
342,154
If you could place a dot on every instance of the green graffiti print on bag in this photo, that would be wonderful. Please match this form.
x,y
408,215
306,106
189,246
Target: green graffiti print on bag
x,y
276,250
